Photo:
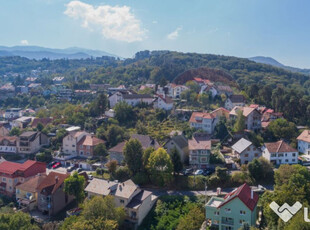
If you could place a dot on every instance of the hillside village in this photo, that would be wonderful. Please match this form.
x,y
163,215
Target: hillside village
x,y
139,144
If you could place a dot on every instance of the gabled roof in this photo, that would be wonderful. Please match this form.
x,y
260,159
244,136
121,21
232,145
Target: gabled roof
x,y
237,98
200,115
180,141
101,187
32,184
246,111
52,182
126,189
304,136
90,140
199,143
244,194
241,145
279,147
43,121
9,167
167,100
138,199
118,148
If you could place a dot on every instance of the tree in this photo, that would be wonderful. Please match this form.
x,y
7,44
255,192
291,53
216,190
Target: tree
x,y
141,128
176,161
100,150
145,158
193,220
15,131
112,165
115,134
281,129
255,169
99,207
221,129
133,153
74,185
17,220
40,127
160,166
124,113
240,122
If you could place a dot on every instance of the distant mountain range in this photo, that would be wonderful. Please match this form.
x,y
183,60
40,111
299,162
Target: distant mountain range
x,y
37,52
273,62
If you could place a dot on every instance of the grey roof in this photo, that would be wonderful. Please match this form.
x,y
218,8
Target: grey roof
x,y
180,141
138,199
126,189
101,187
241,145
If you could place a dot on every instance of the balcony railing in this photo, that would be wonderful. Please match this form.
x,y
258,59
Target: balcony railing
x,y
227,221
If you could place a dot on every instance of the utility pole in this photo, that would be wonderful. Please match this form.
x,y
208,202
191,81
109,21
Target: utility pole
x,y
206,192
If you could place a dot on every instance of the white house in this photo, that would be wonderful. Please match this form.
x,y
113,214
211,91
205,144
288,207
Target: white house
x,y
135,99
8,144
280,153
204,121
115,98
245,151
252,117
304,142
163,102
234,100
13,113
69,143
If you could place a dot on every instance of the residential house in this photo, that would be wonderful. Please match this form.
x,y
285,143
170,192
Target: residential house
x,y
252,117
27,192
304,142
180,143
8,144
224,89
22,122
135,99
280,153
220,112
245,151
44,121
7,91
31,142
118,96
204,121
232,211
4,130
163,102
64,94
70,142
137,202
51,195
234,100
199,151
175,91
87,144
12,173
13,113
269,115
116,152
58,80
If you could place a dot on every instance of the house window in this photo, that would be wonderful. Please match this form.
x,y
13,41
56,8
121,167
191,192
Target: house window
x,y
17,191
217,213
256,154
15,180
293,160
215,222
294,154
242,212
228,210
246,155
286,160
3,179
29,194
241,221
122,201
73,145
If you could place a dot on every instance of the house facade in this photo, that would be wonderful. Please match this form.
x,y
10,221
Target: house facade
x,y
86,146
234,100
69,143
203,121
304,142
245,151
31,142
163,102
199,152
251,115
8,144
280,153
12,173
136,202
236,208
180,143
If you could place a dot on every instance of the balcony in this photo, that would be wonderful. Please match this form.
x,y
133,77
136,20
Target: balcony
x,y
227,221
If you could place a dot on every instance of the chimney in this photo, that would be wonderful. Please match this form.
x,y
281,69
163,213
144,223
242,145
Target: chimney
x,y
218,191
56,179
252,194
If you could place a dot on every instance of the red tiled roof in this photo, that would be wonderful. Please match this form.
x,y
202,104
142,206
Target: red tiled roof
x,y
279,147
90,141
244,194
199,143
201,115
52,182
9,167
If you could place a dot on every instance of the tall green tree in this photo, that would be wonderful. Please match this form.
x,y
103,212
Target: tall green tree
x,y
193,220
176,161
124,113
74,185
100,150
240,122
133,153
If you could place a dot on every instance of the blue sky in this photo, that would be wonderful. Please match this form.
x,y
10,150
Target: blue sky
x,y
243,28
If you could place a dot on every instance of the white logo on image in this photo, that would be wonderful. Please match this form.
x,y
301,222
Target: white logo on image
x,y
285,212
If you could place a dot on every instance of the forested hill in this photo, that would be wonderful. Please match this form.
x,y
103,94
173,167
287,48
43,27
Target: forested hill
x,y
283,90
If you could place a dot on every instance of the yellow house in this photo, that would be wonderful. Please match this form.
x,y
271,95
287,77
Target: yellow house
x,y
27,193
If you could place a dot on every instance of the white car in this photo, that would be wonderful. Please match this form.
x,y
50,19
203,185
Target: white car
x,y
198,172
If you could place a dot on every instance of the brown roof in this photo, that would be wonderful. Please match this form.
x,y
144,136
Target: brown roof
x,y
118,148
304,136
246,111
32,184
90,141
167,100
9,138
279,147
199,143
52,182
43,121
201,115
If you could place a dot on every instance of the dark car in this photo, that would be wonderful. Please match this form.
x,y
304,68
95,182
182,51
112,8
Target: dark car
x,y
70,168
208,172
79,170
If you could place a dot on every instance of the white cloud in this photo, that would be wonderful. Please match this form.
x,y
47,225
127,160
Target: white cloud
x,y
24,42
174,34
154,22
114,22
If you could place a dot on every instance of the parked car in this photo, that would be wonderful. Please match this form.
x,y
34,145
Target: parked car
x,y
70,168
79,170
208,172
188,171
51,164
198,172
90,177
56,165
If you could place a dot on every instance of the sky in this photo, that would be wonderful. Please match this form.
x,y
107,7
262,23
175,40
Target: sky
x,y
242,28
